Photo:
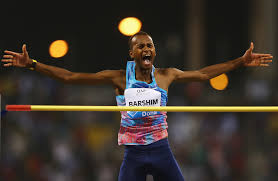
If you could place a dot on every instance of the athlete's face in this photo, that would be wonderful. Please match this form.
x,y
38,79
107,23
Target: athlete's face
x,y
143,51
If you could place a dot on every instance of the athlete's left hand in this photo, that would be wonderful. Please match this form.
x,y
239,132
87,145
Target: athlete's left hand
x,y
256,59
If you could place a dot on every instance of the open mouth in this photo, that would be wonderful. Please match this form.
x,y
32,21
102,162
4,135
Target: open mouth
x,y
147,59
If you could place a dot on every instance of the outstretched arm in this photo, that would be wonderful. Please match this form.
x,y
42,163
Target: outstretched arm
x,y
249,59
23,60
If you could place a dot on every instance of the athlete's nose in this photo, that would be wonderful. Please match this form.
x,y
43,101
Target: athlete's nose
x,y
146,50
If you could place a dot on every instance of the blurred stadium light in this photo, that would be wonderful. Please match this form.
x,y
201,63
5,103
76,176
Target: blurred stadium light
x,y
220,82
129,26
58,48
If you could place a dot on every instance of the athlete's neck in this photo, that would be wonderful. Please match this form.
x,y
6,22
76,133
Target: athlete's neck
x,y
143,74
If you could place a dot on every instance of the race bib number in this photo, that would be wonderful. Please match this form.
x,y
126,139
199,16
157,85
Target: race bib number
x,y
142,97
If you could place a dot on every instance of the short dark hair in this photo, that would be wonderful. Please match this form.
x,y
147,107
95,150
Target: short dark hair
x,y
136,34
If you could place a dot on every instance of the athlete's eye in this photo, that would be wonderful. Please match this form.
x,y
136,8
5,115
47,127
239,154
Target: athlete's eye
x,y
140,46
150,45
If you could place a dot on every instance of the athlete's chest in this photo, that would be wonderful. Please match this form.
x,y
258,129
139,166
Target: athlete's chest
x,y
161,82
142,97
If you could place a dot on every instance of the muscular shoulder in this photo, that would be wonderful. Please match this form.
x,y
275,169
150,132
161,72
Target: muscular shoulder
x,y
164,77
117,74
119,81
112,72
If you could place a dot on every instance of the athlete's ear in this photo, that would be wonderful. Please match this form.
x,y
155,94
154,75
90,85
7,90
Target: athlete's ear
x,y
131,54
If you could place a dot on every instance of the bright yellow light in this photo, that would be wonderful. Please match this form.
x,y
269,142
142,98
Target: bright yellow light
x,y
220,82
129,26
58,48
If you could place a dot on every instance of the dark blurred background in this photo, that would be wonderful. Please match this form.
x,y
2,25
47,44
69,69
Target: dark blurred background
x,y
191,34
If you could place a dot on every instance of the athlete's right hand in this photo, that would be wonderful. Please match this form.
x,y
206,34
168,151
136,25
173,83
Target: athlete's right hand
x,y
17,59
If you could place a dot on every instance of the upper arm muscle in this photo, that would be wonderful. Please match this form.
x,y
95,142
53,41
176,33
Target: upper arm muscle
x,y
185,76
103,77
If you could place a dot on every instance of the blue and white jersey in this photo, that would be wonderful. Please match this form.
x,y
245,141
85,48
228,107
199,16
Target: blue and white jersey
x,y
141,127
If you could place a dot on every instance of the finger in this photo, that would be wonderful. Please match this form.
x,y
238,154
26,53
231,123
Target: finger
x,y
266,61
266,58
252,46
24,50
10,53
8,65
262,55
8,56
6,60
264,65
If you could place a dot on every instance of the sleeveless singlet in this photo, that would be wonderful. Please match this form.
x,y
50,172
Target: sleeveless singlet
x,y
141,127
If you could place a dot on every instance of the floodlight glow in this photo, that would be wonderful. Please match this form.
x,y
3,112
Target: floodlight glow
x,y
220,82
129,26
58,48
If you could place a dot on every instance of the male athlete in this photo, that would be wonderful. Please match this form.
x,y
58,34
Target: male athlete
x,y
144,134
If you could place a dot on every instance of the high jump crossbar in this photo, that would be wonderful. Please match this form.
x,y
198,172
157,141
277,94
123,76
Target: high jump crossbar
x,y
127,108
